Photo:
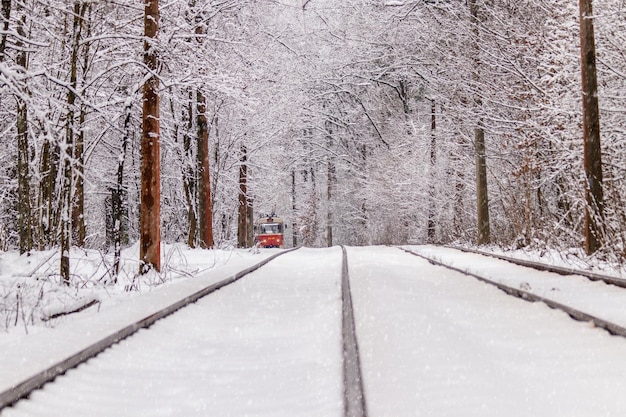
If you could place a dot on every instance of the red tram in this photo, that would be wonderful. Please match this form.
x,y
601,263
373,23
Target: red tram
x,y
269,232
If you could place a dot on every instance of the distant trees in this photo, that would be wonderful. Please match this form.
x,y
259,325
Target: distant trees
x,y
364,123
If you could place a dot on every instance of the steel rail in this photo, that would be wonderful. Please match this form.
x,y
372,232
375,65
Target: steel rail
x,y
24,388
619,282
576,314
354,395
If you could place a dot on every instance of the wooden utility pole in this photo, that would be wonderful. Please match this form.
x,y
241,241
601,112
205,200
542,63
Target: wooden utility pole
x,y
594,211
150,212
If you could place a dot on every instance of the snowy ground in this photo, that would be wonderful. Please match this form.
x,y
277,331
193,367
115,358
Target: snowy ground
x,y
268,345
433,342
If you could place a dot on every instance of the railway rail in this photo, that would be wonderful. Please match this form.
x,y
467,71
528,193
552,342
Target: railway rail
x,y
353,393
575,313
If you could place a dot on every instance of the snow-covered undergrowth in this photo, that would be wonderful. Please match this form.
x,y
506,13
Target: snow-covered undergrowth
x,y
32,294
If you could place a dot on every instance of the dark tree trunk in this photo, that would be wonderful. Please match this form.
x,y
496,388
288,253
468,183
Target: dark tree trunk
x,y
189,172
118,199
482,198
150,212
433,161
78,207
293,207
205,210
330,179
594,213
6,19
23,171
250,224
69,151
242,218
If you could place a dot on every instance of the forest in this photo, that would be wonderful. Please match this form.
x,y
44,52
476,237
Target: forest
x,y
360,122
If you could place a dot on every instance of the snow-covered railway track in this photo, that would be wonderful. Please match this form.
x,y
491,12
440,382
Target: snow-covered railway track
x,y
435,342
39,379
525,291
271,344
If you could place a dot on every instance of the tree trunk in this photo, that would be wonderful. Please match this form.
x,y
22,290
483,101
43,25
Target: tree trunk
x,y
23,171
189,172
150,212
431,229
293,208
330,177
78,208
242,218
594,213
329,211
118,199
6,19
204,176
482,198
250,223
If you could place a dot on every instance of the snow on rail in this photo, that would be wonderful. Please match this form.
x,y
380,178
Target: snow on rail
x,y
354,397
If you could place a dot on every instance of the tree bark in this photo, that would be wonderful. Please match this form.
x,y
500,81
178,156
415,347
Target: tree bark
x,y
242,218
118,199
330,178
294,236
189,172
78,207
6,19
150,212
482,198
431,228
204,176
23,171
594,211
69,151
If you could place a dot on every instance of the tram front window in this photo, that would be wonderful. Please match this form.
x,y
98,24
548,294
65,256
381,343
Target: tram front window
x,y
270,228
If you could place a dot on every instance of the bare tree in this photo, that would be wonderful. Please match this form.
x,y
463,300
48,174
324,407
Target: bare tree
x,y
23,146
242,218
594,210
482,197
150,212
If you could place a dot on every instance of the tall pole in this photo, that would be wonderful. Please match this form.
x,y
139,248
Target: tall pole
x,y
150,213
594,211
